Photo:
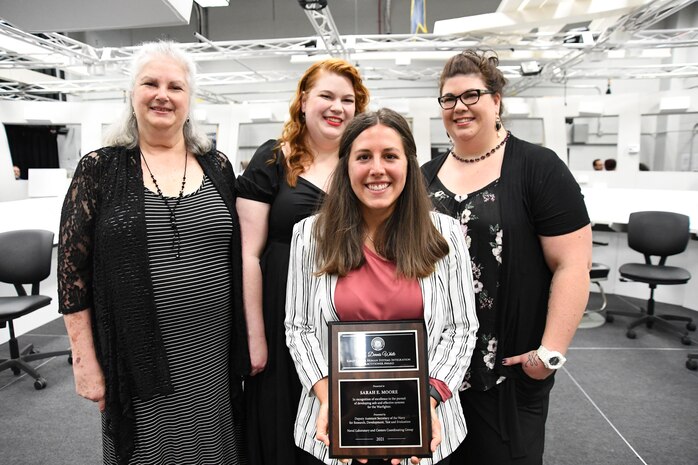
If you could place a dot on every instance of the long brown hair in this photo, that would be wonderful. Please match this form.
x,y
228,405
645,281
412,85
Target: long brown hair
x,y
480,63
408,237
294,131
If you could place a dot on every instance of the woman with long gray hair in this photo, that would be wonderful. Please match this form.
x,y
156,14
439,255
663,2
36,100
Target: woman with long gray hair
x,y
149,277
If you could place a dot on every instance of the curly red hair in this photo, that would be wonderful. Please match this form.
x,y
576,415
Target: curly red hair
x,y
299,156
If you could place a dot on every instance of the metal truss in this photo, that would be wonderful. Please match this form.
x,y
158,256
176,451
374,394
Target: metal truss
x,y
635,72
667,38
559,54
650,13
324,26
612,37
46,44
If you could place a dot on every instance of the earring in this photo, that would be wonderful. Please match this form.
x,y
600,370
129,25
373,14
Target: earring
x,y
302,117
497,124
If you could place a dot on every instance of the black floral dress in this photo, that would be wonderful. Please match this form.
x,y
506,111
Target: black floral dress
x,y
479,216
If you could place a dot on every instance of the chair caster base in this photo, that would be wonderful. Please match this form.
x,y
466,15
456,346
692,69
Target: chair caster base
x,y
39,384
609,318
631,334
691,326
685,340
692,364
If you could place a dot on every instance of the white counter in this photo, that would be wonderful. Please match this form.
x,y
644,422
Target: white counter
x,y
614,206
34,213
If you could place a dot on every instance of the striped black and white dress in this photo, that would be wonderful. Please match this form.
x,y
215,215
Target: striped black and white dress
x,y
194,425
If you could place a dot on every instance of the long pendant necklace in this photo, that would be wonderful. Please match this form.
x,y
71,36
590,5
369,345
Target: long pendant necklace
x,y
176,240
481,157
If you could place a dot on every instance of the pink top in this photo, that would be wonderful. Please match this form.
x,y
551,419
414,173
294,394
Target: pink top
x,y
374,292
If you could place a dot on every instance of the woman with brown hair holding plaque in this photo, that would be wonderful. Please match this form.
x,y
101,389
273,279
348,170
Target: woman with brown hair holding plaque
x,y
375,252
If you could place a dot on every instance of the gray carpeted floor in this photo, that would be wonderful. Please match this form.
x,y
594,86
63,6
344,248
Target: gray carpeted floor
x,y
616,402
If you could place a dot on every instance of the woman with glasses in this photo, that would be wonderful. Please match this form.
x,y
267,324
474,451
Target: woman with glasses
x,y
529,238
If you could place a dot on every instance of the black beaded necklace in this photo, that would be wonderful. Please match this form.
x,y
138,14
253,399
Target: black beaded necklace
x,y
481,157
176,241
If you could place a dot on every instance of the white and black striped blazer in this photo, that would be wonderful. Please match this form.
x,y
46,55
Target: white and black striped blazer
x,y
449,314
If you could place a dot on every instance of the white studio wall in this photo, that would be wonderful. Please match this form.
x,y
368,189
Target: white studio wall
x,y
90,119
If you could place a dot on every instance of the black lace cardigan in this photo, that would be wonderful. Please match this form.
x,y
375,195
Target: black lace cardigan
x,y
103,266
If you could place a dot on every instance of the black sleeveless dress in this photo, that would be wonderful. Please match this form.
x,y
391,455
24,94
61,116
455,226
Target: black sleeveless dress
x,y
272,396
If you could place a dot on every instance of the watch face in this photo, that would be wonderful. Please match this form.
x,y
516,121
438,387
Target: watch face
x,y
554,361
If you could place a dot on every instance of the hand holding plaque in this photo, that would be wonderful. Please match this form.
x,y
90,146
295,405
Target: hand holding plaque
x,y
378,390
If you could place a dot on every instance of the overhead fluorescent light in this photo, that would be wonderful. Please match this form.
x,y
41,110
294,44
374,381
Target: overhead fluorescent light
x,y
212,3
530,68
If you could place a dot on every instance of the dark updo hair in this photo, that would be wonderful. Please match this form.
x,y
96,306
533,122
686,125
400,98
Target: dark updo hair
x,y
482,63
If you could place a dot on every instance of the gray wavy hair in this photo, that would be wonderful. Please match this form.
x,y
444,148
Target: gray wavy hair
x,y
124,132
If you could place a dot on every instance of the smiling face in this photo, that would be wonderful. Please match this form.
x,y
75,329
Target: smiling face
x,y
464,123
377,171
328,106
161,95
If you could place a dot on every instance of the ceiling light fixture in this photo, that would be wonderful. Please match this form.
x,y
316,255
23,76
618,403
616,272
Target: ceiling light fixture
x,y
313,5
530,68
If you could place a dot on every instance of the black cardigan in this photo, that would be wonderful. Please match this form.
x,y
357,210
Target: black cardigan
x,y
103,265
538,197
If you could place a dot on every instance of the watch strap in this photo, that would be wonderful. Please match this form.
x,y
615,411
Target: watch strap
x,y
433,392
552,359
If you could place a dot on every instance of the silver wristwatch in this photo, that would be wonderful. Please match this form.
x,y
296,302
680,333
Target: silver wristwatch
x,y
551,358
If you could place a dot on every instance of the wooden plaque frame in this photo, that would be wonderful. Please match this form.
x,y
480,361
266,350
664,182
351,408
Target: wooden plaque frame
x,y
379,390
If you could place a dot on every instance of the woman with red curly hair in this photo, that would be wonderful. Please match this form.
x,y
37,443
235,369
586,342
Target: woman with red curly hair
x,y
286,181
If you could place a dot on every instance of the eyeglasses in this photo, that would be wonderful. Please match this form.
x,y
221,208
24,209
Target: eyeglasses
x,y
469,97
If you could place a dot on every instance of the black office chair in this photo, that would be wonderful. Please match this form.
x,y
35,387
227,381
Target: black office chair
x,y
25,258
656,234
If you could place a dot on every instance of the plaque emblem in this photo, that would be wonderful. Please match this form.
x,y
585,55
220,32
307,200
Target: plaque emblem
x,y
377,343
